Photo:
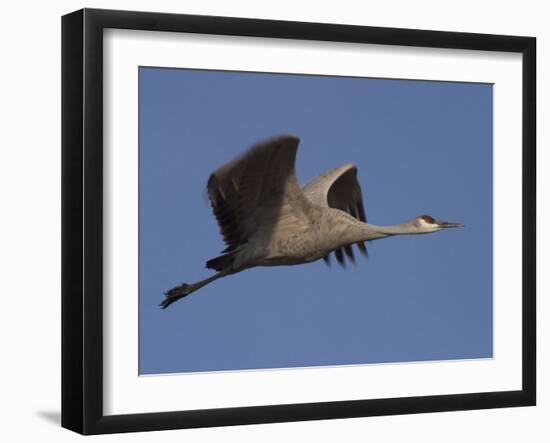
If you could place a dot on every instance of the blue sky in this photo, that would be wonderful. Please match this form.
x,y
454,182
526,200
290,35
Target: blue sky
x,y
420,148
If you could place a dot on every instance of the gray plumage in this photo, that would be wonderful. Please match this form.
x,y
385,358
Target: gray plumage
x,y
267,219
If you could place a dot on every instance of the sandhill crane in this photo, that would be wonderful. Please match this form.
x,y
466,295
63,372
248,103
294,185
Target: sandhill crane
x,y
267,219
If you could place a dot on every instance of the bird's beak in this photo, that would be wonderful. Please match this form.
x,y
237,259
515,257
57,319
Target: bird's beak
x,y
444,224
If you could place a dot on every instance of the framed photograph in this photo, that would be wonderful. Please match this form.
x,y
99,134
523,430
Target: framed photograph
x,y
268,221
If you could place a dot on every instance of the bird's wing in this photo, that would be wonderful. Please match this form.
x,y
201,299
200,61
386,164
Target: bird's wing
x,y
338,188
252,187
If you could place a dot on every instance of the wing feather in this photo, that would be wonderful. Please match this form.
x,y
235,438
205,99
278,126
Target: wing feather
x,y
253,187
339,188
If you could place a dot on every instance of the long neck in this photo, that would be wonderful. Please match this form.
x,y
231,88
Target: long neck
x,y
400,229
358,231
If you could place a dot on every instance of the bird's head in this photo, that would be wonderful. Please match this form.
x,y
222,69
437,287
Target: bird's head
x,y
426,223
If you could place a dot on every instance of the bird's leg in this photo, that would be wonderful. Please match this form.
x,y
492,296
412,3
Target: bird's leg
x,y
185,289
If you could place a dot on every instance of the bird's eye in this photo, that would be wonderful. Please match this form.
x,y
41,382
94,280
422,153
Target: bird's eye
x,y
427,219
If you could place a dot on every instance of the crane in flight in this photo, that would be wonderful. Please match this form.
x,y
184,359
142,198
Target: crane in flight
x,y
267,219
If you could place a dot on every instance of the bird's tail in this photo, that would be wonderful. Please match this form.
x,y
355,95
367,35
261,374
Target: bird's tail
x,y
221,263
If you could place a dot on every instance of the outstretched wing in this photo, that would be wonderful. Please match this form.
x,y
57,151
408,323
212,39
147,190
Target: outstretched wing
x,y
253,188
338,188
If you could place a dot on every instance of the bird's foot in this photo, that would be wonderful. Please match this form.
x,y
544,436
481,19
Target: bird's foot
x,y
175,294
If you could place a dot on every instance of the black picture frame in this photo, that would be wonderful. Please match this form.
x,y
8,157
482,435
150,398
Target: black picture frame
x,y
82,218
